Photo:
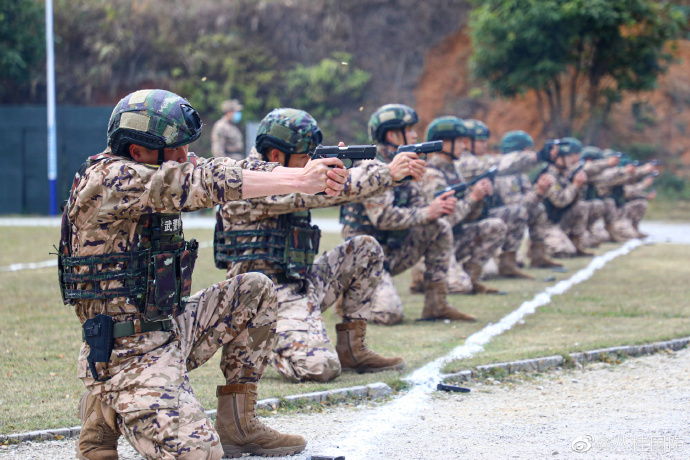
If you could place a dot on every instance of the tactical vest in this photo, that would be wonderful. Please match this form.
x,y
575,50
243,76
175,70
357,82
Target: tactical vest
x,y
155,274
618,195
355,215
291,247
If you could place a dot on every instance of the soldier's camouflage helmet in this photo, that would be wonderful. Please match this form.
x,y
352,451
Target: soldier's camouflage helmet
x,y
154,119
515,141
390,116
477,130
569,146
288,130
445,128
591,153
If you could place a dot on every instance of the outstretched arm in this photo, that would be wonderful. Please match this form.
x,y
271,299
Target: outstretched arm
x,y
317,176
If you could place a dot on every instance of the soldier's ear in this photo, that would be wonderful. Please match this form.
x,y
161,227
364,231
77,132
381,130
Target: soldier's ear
x,y
135,152
274,156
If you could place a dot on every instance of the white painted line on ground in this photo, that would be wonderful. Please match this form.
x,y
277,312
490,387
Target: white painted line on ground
x,y
397,415
29,266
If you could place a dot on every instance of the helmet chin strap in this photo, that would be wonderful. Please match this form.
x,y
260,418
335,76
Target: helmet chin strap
x,y
161,156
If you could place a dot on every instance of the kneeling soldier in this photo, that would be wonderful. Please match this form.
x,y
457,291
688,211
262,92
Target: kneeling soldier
x,y
274,235
125,266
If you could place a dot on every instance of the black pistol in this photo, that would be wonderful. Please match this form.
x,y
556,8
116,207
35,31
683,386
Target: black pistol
x,y
421,150
349,155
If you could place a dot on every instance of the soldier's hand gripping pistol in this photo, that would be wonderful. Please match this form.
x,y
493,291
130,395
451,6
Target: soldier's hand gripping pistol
x,y
421,149
461,189
349,155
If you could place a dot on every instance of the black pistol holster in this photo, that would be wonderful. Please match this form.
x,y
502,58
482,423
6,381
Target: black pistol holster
x,y
98,333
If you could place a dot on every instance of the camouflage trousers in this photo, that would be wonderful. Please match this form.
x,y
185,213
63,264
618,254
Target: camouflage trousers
x,y
537,222
515,217
432,241
635,210
157,410
302,350
574,221
595,233
596,211
478,241
610,211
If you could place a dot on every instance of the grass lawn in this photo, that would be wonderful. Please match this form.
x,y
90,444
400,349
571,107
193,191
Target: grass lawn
x,y
637,298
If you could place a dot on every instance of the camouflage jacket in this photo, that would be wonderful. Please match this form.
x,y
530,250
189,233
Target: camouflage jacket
x,y
104,207
615,176
367,179
515,189
439,175
636,191
226,139
472,166
562,192
383,214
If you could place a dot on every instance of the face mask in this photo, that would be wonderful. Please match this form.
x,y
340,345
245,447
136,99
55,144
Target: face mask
x,y
237,117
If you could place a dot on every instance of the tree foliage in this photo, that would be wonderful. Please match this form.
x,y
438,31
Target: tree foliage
x,y
579,56
22,48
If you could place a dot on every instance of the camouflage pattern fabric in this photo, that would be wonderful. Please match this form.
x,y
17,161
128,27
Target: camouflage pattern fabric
x,y
595,214
433,241
227,140
159,415
441,173
303,350
479,240
515,217
147,372
458,281
517,189
365,180
557,242
471,166
288,130
635,210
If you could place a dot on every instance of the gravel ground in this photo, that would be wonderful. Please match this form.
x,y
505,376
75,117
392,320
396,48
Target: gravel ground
x,y
636,409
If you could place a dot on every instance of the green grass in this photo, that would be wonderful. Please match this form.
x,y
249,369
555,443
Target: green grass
x,y
638,298
675,210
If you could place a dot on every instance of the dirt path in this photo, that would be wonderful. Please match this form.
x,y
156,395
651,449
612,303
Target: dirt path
x,y
637,409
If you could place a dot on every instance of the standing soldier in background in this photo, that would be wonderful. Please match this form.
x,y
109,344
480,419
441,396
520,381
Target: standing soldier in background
x,y
226,137
125,266
518,188
406,223
253,235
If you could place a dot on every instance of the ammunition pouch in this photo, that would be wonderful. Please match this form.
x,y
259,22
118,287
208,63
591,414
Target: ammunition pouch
x,y
158,278
291,247
554,213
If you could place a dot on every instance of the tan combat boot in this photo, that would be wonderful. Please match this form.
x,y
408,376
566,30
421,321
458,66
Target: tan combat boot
x,y
354,354
580,247
636,226
417,283
241,431
507,266
475,271
436,305
539,257
99,432
616,237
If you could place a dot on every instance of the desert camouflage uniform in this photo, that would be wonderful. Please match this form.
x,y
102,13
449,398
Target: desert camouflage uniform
x,y
564,195
353,269
615,215
637,202
517,189
227,140
411,235
147,384
475,240
596,209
